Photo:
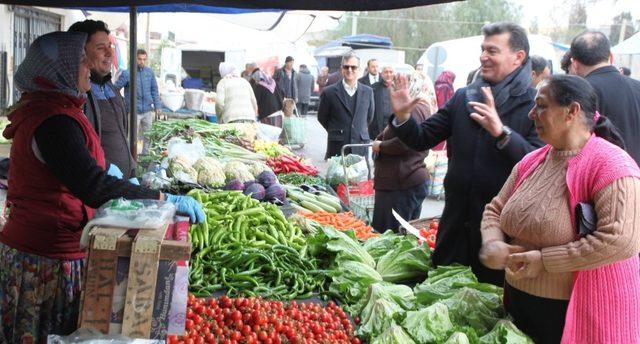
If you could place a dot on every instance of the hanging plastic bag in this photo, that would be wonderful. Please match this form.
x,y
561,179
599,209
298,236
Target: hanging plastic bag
x,y
190,151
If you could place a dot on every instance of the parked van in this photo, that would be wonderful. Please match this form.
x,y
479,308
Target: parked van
x,y
462,56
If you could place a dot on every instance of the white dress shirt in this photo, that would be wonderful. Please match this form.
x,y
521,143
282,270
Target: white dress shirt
x,y
350,90
373,78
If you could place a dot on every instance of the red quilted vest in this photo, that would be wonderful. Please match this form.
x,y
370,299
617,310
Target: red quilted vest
x,y
45,218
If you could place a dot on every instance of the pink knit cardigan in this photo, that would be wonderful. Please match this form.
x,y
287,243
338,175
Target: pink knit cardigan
x,y
605,301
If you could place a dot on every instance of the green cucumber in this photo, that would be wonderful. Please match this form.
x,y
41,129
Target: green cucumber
x,y
299,208
310,206
330,202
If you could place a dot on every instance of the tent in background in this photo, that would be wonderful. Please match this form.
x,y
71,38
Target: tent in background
x,y
627,54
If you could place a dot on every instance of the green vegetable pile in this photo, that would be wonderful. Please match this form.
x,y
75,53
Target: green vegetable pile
x,y
298,179
248,248
450,305
220,141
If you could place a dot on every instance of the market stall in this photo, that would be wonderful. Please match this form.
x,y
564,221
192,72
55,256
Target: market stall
x,y
281,258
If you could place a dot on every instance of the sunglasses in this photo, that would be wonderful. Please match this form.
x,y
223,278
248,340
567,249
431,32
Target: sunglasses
x,y
345,67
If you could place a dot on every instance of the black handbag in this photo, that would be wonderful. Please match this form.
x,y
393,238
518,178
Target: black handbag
x,y
586,219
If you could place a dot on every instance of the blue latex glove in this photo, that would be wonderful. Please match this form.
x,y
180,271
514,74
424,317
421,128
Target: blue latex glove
x,y
114,171
187,205
134,181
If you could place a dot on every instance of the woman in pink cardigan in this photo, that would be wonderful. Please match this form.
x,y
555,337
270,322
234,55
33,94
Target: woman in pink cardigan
x,y
562,286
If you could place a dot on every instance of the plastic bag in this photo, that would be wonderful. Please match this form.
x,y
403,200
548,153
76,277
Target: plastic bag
x,y
268,133
141,214
190,151
294,129
91,336
357,170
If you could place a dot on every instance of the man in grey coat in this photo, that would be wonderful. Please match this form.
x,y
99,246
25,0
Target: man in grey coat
x,y
346,109
306,83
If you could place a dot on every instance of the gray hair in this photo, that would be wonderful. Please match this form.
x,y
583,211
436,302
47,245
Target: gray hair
x,y
387,66
251,65
349,56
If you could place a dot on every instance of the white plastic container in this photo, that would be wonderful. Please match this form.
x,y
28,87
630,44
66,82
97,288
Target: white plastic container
x,y
172,100
193,99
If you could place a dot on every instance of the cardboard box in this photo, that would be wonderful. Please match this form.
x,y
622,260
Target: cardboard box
x,y
136,281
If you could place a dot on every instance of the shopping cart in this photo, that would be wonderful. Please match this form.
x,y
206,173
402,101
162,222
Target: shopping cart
x,y
360,199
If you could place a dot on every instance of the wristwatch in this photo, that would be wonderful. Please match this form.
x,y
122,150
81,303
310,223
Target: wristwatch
x,y
506,131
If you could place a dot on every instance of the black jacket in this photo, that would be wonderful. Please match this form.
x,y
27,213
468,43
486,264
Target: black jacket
x,y
268,102
477,170
105,109
281,78
619,100
383,110
365,79
344,126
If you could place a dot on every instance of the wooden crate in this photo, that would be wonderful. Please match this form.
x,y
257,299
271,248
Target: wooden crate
x,y
129,281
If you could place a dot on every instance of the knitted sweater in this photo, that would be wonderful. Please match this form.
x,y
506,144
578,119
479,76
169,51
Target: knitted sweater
x,y
235,100
604,304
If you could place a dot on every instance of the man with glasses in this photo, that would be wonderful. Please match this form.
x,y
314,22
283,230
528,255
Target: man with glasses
x,y
346,109
105,107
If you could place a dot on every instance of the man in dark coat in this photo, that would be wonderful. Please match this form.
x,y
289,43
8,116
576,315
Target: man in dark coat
x,y
382,102
105,107
488,131
287,79
618,95
346,109
371,76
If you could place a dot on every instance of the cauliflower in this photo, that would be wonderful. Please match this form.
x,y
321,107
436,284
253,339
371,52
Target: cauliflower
x,y
210,172
238,170
257,167
181,169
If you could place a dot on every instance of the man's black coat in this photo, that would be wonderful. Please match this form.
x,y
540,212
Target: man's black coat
x,y
477,170
343,125
619,100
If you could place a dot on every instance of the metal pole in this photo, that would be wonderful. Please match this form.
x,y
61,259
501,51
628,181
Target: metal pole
x,y
133,68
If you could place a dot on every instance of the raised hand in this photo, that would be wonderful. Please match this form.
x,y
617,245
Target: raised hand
x,y
401,102
486,114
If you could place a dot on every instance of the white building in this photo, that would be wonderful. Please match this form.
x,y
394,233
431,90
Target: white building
x,y
19,26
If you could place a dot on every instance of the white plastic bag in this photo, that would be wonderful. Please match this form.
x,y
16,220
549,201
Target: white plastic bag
x,y
91,336
122,213
190,151
268,133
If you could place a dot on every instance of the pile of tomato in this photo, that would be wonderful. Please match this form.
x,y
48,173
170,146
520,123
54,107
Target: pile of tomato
x,y
429,235
255,320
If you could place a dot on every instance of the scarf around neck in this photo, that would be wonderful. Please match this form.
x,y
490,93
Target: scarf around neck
x,y
515,84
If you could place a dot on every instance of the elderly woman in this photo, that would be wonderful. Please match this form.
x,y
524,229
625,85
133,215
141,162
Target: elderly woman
x,y
401,176
57,179
269,98
235,101
565,285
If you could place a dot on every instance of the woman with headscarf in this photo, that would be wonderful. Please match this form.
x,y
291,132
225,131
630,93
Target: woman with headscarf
x,y
269,98
56,180
235,101
401,176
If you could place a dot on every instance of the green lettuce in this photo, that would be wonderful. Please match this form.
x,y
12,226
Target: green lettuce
x,y
379,316
477,309
428,325
379,246
398,293
350,280
505,332
347,247
407,261
443,282
393,335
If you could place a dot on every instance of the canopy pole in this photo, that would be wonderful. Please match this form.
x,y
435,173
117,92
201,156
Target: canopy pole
x,y
133,116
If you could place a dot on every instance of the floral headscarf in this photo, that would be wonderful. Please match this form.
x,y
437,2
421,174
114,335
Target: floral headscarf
x,y
420,85
52,63
444,87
